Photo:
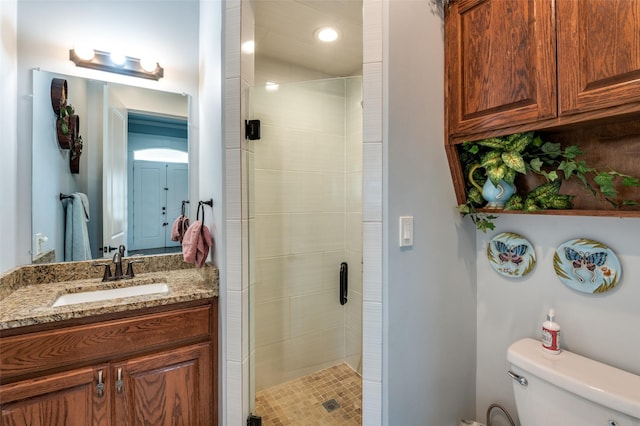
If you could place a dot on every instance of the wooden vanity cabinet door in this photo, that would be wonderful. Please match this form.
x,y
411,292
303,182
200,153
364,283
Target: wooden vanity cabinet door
x,y
598,54
65,399
500,64
173,387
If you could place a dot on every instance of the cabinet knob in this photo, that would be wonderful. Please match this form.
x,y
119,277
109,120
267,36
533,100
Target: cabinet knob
x,y
100,385
119,382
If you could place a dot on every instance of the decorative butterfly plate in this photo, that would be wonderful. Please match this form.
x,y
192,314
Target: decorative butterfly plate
x,y
511,255
587,265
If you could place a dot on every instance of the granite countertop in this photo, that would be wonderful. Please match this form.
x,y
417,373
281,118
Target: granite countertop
x,y
29,301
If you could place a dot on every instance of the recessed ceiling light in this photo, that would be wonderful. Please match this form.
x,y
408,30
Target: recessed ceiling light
x,y
326,34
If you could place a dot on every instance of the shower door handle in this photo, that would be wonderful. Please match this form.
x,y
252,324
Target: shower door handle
x,y
344,282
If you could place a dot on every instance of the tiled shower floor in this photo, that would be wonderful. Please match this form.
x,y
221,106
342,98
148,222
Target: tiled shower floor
x,y
299,402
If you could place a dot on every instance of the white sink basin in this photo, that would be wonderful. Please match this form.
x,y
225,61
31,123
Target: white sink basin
x,y
112,293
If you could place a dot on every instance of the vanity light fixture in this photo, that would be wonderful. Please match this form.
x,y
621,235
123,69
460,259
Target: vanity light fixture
x,y
105,61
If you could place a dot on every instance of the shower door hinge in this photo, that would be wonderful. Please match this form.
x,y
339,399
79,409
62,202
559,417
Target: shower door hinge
x,y
254,420
252,129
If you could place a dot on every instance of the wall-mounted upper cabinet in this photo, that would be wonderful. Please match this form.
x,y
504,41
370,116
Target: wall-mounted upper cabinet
x,y
526,65
598,54
500,64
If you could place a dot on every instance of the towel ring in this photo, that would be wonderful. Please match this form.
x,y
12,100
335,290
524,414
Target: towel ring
x,y
209,202
200,208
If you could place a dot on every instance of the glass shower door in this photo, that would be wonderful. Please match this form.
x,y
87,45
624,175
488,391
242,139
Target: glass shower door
x,y
305,221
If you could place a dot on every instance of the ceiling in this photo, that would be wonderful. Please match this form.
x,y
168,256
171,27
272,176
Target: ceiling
x,y
284,31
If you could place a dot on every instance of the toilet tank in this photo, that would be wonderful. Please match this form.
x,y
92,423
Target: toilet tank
x,y
571,390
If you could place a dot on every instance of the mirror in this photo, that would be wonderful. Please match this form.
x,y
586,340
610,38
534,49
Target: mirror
x,y
133,195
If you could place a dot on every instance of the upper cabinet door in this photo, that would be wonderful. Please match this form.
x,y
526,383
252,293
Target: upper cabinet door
x,y
500,64
598,54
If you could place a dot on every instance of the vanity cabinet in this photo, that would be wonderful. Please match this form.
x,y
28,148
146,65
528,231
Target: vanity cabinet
x,y
153,368
568,69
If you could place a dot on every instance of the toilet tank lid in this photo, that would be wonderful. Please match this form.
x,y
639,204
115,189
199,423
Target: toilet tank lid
x,y
592,380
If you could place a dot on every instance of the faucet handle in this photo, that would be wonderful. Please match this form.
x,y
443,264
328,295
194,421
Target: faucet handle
x,y
130,273
107,270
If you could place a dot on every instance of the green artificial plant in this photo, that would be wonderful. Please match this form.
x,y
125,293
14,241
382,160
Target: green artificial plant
x,y
505,157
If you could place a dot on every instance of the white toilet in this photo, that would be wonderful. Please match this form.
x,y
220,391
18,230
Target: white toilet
x,y
570,390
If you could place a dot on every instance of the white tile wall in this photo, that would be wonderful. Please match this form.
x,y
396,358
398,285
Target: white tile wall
x,y
296,357
372,179
314,312
273,321
375,13
289,275
317,232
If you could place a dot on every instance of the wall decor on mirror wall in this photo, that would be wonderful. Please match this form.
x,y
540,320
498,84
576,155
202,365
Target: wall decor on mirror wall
x,y
75,152
511,255
587,266
67,123
58,94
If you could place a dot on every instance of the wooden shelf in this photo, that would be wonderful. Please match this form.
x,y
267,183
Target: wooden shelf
x,y
572,212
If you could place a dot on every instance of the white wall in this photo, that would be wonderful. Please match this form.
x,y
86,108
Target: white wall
x,y
429,289
168,31
603,327
11,192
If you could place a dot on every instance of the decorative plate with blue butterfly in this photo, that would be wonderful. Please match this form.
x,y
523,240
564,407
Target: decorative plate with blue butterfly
x,y
511,255
587,265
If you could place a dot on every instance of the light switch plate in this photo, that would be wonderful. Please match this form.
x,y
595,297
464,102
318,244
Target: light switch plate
x,y
406,231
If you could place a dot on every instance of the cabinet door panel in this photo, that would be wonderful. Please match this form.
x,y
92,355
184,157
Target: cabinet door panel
x,y
598,54
500,59
168,388
65,399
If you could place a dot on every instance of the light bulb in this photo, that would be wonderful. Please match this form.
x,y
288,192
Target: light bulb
x,y
84,52
148,64
118,59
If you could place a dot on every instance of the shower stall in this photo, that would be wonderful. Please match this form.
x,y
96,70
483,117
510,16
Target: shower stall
x,y
304,178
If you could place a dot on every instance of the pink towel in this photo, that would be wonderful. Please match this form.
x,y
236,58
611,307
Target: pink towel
x,y
196,243
179,227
